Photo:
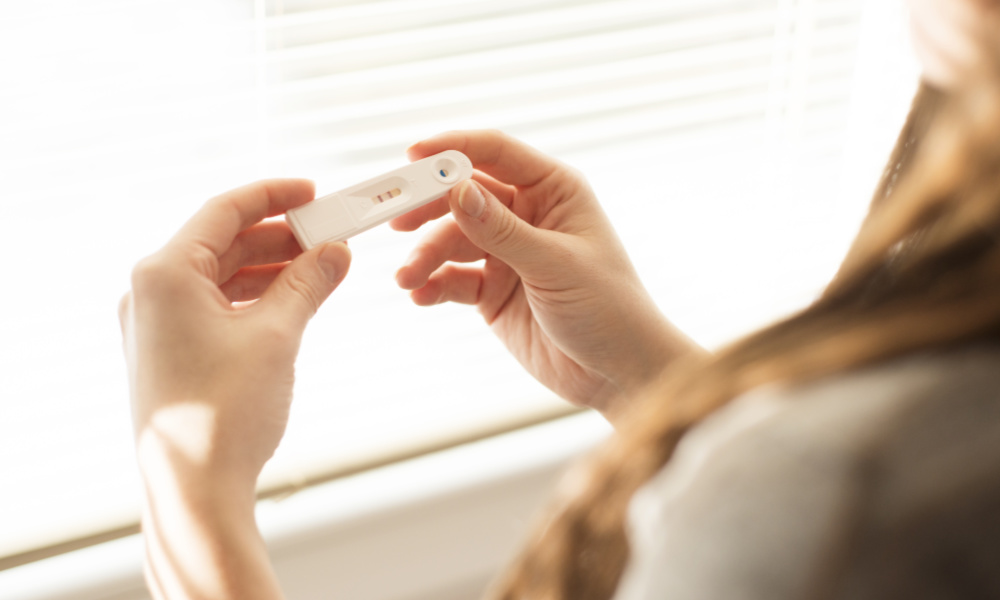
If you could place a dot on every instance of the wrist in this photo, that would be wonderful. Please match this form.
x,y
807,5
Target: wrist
x,y
179,456
656,346
201,535
664,346
199,489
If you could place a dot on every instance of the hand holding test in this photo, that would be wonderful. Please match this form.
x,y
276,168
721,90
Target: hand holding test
x,y
344,214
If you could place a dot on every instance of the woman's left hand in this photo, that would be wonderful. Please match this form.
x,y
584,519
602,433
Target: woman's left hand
x,y
211,382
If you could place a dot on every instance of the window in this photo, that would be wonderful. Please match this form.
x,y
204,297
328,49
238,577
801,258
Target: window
x,y
715,132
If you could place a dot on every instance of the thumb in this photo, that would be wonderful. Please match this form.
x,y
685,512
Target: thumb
x,y
302,286
495,228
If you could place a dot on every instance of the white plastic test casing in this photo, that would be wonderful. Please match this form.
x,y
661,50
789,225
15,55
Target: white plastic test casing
x,y
346,213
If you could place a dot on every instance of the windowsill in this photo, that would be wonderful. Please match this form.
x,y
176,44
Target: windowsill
x,y
435,526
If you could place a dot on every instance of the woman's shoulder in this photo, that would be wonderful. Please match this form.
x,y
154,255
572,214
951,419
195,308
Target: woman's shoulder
x,y
906,405
842,483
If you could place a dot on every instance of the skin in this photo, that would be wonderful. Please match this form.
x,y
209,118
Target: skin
x,y
211,382
556,285
214,320
953,38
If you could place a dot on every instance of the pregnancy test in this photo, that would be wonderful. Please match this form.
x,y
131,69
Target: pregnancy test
x,y
345,214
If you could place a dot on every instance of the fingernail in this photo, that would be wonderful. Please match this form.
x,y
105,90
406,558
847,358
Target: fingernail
x,y
413,146
328,259
471,200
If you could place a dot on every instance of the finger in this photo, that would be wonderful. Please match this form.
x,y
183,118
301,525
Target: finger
x,y
500,284
222,218
496,229
451,283
504,193
263,244
297,293
495,153
446,243
249,283
416,218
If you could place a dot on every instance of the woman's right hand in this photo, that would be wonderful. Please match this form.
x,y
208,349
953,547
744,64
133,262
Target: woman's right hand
x,y
556,286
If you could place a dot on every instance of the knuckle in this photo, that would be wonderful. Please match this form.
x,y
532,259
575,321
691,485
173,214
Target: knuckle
x,y
495,135
300,287
240,252
229,201
577,175
203,260
432,249
149,273
162,273
498,141
506,232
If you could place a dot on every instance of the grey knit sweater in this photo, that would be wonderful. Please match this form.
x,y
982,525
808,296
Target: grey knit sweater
x,y
881,483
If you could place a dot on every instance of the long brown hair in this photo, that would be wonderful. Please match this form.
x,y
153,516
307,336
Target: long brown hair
x,y
923,273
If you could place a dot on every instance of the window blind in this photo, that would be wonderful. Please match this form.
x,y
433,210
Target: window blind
x,y
711,129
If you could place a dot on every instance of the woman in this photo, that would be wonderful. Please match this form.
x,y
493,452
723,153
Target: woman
x,y
846,451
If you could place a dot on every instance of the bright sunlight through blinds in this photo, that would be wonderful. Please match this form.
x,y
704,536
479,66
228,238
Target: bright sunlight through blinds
x,y
713,130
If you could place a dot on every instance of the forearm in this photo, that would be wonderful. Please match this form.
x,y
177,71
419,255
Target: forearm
x,y
201,538
211,382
